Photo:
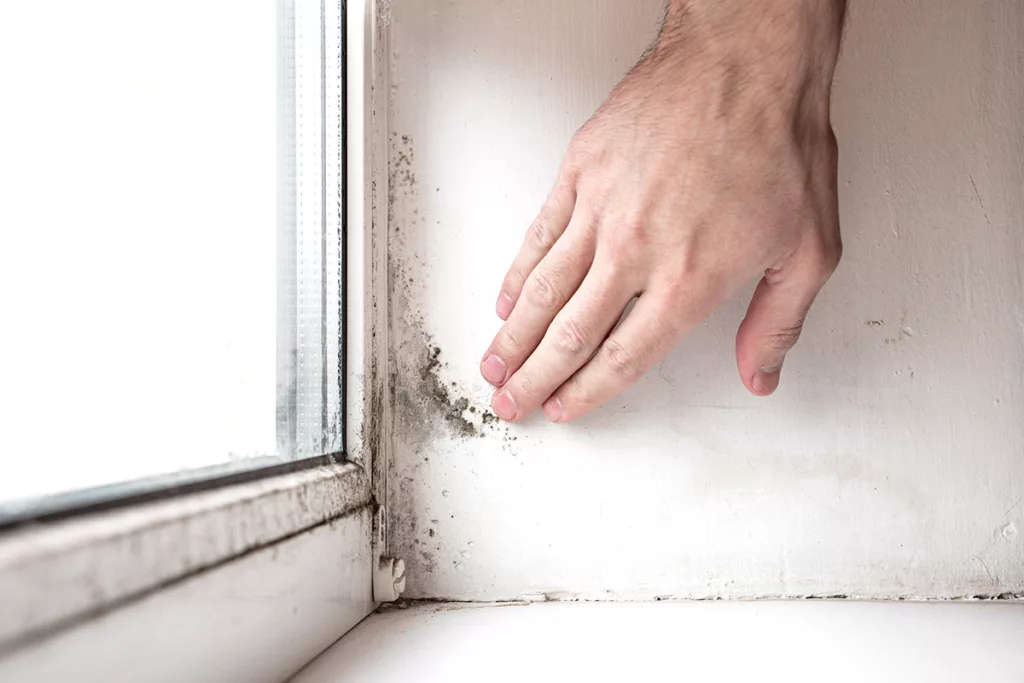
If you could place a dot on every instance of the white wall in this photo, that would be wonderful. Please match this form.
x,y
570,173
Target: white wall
x,y
890,463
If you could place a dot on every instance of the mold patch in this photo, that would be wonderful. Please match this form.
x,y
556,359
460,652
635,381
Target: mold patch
x,y
430,413
424,401
426,395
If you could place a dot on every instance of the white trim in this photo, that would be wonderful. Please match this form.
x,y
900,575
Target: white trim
x,y
365,304
367,434
259,619
358,320
59,573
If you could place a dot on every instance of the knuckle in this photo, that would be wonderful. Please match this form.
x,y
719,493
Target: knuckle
x,y
570,338
514,281
586,152
634,231
597,192
541,234
834,255
831,143
573,163
784,339
580,147
541,291
510,345
681,302
620,269
825,263
622,363
525,387
825,259
628,237
675,292
575,396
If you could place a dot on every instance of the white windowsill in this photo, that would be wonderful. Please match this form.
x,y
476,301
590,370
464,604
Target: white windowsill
x,y
56,575
258,619
700,641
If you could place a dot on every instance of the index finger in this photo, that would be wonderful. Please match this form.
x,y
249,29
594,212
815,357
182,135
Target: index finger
x,y
545,230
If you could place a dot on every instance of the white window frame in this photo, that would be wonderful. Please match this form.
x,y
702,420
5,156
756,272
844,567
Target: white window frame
x,y
248,581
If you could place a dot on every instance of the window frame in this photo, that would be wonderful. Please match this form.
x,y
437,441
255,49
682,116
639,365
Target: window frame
x,y
73,585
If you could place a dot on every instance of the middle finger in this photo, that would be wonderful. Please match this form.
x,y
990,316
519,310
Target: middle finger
x,y
551,284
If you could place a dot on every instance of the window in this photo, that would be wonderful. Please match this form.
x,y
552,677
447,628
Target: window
x,y
171,269
183,278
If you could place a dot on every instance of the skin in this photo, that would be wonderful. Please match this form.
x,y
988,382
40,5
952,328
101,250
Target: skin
x,y
712,163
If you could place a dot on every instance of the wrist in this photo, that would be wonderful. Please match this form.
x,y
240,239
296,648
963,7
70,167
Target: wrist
x,y
784,49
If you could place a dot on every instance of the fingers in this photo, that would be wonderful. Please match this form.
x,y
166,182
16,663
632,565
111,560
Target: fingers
x,y
571,339
545,230
775,319
547,289
644,337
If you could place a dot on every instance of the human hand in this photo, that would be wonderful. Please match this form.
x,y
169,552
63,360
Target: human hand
x,y
712,162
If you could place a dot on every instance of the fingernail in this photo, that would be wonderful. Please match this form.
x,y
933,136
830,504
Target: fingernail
x,y
766,380
493,369
504,405
553,409
504,306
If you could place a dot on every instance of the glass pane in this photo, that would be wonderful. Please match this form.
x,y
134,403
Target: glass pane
x,y
170,243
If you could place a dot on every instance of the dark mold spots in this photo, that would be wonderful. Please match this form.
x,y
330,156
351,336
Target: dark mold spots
x,y
441,402
429,563
1000,596
401,164
424,399
433,360
835,596
437,398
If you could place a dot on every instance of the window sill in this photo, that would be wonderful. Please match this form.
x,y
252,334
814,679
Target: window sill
x,y
54,577
257,619
794,641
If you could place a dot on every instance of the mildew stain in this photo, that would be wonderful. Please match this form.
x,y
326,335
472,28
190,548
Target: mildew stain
x,y
423,399
430,408
430,394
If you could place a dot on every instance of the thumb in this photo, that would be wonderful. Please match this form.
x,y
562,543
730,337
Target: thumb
x,y
773,324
